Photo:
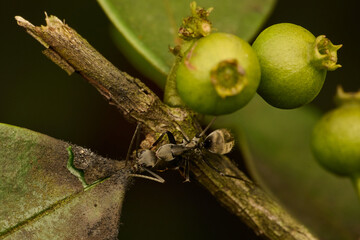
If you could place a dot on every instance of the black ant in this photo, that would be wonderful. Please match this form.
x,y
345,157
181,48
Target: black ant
x,y
218,142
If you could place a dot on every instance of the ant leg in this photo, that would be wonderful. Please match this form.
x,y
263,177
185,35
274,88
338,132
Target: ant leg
x,y
218,171
170,137
146,177
156,177
186,137
187,171
158,140
160,179
132,143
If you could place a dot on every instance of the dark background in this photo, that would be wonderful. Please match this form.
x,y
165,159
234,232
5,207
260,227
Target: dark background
x,y
38,95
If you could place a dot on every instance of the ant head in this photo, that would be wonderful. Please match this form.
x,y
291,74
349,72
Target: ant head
x,y
219,141
146,158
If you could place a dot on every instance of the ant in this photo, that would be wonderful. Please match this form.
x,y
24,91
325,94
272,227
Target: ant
x,y
218,142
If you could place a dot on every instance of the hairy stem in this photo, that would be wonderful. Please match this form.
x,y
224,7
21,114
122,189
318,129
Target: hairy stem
x,y
138,103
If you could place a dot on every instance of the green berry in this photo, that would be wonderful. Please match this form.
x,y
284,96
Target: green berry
x,y
336,138
218,74
293,64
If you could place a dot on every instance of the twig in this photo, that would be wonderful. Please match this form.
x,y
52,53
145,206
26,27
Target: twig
x,y
138,103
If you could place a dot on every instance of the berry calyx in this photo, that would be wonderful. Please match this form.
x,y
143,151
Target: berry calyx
x,y
325,54
228,78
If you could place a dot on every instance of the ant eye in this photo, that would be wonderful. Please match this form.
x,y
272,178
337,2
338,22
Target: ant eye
x,y
207,143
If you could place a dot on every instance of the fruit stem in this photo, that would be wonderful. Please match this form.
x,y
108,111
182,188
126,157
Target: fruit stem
x,y
356,182
228,78
171,95
325,54
342,97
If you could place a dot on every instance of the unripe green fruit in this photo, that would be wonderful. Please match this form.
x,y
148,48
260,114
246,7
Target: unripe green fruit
x,y
336,138
218,75
293,64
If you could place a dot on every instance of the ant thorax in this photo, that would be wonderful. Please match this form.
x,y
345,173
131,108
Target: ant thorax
x,y
169,152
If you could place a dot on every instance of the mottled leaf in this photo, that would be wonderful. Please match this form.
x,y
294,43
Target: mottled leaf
x,y
50,189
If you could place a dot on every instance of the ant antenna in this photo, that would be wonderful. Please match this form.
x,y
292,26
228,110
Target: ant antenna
x,y
131,144
187,139
207,127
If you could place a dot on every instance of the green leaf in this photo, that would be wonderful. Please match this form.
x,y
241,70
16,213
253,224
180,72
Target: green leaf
x,y
276,147
148,27
51,191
